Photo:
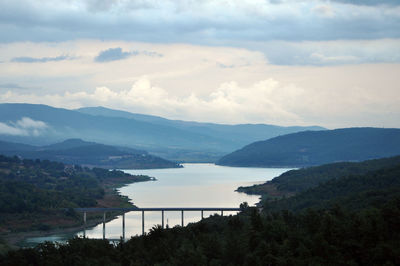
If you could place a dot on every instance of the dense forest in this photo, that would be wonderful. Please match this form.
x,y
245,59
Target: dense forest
x,y
299,180
330,237
311,148
32,189
353,219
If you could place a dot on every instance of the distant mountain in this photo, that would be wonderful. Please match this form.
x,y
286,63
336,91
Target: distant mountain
x,y
240,134
317,147
77,151
177,140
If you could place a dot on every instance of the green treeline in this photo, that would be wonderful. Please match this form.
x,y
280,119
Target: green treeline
x,y
295,181
355,192
328,237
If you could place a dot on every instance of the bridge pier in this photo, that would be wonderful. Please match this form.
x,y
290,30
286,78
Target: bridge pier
x,y
104,225
142,222
162,219
123,227
202,212
182,218
84,224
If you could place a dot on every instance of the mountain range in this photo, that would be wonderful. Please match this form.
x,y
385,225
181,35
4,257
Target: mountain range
x,y
310,148
79,152
171,139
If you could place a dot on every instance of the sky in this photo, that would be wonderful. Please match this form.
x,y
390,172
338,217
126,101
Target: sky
x,y
332,63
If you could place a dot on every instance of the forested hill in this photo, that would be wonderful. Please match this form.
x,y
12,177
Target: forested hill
x,y
77,151
299,180
39,189
317,147
352,191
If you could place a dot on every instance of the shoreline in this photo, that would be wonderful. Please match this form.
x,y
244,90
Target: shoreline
x,y
112,198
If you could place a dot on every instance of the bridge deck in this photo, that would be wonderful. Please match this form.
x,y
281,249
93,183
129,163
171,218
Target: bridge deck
x,y
143,210
155,209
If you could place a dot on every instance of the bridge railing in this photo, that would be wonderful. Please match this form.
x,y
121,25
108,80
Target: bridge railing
x,y
143,210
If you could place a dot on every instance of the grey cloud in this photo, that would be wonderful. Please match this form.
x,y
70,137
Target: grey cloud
x,y
10,86
113,54
202,23
27,59
197,22
370,2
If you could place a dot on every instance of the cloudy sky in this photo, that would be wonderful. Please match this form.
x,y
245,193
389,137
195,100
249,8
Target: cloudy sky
x,y
288,62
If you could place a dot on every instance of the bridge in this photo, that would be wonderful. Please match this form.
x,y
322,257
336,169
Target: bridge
x,y
143,210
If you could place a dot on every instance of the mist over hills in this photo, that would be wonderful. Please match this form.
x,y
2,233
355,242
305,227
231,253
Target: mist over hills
x,y
177,140
310,148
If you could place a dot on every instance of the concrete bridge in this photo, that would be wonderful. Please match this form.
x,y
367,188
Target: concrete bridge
x,y
143,210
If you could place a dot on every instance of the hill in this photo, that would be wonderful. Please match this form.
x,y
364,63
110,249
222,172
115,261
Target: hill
x,y
77,151
295,181
177,140
34,193
353,191
351,185
310,148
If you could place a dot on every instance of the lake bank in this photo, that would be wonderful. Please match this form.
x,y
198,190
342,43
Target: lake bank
x,y
59,223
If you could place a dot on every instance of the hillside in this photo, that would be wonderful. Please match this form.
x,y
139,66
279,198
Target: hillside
x,y
352,191
33,193
300,180
77,151
310,148
176,140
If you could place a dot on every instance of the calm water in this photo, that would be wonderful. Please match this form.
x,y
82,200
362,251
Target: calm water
x,y
195,185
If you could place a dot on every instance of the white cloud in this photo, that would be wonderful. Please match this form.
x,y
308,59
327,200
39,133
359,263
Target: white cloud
x,y
266,101
28,123
10,130
23,127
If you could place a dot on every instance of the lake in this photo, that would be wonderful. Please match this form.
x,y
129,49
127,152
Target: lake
x,y
194,185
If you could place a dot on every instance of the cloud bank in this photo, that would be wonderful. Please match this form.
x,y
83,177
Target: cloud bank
x,y
23,127
267,101
198,22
